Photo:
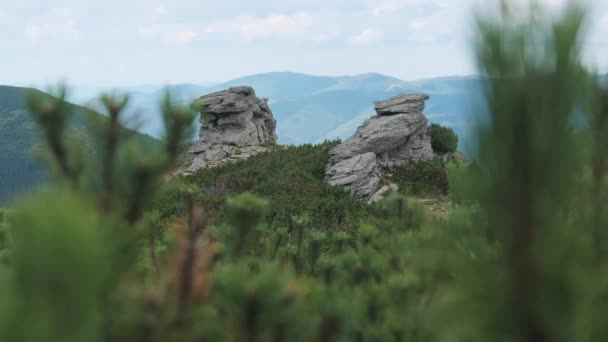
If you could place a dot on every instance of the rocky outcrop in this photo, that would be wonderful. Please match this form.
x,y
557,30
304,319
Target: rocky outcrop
x,y
359,173
396,135
235,124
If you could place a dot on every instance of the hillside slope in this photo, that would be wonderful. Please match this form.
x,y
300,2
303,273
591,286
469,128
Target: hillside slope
x,y
19,169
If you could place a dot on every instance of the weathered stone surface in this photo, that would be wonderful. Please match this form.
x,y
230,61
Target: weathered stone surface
x,y
384,190
235,124
401,104
396,135
418,147
360,174
381,134
236,117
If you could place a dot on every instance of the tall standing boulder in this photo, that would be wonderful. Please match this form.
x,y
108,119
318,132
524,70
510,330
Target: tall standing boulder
x,y
235,124
397,134
236,117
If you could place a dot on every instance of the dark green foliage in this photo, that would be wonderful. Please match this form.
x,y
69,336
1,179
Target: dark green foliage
x,y
4,236
346,285
87,224
398,212
60,297
524,262
426,177
464,183
245,213
291,179
256,303
443,139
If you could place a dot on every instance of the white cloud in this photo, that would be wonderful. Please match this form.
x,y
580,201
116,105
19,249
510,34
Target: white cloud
x,y
122,68
180,37
435,28
160,10
366,37
60,25
170,34
314,36
250,27
83,60
36,33
381,7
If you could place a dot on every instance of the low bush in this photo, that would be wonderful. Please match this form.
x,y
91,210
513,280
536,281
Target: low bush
x,y
290,178
421,178
443,139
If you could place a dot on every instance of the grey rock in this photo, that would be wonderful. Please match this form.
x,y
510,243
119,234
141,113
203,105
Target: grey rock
x,y
401,104
360,174
397,134
235,124
418,147
236,117
197,147
381,134
215,154
379,194
197,164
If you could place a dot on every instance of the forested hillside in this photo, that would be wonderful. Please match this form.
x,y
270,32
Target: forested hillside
x,y
20,169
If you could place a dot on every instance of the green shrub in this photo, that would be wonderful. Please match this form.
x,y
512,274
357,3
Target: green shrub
x,y
421,178
464,183
245,213
398,213
443,139
290,178
58,251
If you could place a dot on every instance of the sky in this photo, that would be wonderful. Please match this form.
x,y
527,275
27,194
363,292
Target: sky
x,y
135,42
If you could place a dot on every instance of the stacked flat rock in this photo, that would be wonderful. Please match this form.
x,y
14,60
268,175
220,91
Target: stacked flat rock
x,y
397,134
235,124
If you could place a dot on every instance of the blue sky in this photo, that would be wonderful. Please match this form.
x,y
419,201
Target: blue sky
x,y
129,42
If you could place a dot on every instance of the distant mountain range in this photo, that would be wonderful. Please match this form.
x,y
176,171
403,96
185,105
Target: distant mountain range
x,y
19,170
310,109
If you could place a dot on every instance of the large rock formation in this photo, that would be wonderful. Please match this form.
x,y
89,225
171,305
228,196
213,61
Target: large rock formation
x,y
359,173
235,124
396,135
